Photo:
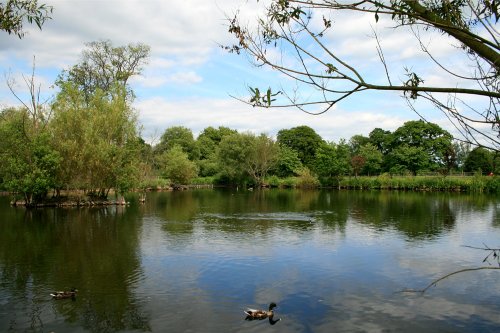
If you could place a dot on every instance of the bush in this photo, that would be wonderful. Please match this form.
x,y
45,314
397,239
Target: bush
x,y
306,179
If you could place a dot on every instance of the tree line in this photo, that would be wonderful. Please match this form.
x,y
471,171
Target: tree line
x,y
229,157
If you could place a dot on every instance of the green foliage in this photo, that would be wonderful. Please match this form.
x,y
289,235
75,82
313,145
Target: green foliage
x,y
179,136
247,158
373,159
29,163
263,100
176,166
304,140
209,139
479,159
13,14
208,143
97,139
356,142
288,163
306,179
476,184
332,162
381,139
424,139
408,158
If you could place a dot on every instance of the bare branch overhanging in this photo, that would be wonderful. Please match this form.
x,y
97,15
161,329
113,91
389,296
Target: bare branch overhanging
x,y
287,23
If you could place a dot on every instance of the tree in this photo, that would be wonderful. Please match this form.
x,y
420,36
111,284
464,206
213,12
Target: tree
x,y
305,29
304,140
408,158
209,139
432,139
263,157
245,157
208,142
28,162
462,150
176,166
288,163
373,159
355,143
13,14
97,139
381,139
180,136
103,65
357,163
479,159
332,162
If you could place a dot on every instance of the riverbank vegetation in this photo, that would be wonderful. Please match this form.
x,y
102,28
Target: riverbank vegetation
x,y
88,139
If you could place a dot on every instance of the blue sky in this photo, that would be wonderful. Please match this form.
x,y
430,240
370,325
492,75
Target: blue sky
x,y
189,80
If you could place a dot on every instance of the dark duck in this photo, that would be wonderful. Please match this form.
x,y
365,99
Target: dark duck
x,y
64,294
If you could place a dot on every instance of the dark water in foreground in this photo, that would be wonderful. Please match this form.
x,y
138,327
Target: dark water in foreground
x,y
193,261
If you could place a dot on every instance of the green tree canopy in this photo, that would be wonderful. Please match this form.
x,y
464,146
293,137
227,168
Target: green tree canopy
x,y
332,162
431,138
288,163
355,143
176,166
97,139
209,139
408,158
479,159
304,140
381,139
373,159
180,136
244,157
28,162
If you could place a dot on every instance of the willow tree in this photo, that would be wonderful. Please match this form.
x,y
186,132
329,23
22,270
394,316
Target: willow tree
x,y
97,140
294,37
15,13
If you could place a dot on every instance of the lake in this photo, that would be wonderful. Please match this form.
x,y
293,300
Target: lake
x,y
192,261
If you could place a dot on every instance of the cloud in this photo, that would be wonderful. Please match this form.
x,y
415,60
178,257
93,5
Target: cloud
x,y
157,114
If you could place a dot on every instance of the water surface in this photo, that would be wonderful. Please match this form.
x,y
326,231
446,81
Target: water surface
x,y
192,261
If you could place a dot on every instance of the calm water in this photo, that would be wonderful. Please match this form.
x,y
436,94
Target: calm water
x,y
193,261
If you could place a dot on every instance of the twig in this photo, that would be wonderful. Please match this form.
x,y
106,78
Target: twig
x,y
433,283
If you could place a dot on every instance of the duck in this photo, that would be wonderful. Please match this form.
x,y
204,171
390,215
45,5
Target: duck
x,y
64,294
260,314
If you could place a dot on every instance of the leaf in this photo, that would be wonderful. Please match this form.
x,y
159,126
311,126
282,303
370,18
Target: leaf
x,y
376,16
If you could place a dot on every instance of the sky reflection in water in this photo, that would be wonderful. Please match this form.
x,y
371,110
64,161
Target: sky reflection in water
x,y
194,260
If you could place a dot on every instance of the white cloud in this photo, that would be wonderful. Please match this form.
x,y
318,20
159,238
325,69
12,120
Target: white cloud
x,y
157,114
185,78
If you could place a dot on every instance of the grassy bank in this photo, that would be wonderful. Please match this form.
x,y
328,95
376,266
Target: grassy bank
x,y
471,184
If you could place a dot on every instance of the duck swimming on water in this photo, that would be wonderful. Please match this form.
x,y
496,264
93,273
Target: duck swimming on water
x,y
260,314
64,294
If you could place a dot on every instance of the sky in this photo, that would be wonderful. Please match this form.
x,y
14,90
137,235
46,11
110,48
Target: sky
x,y
190,81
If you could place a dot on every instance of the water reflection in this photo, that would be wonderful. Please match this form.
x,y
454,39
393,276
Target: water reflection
x,y
51,249
193,260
